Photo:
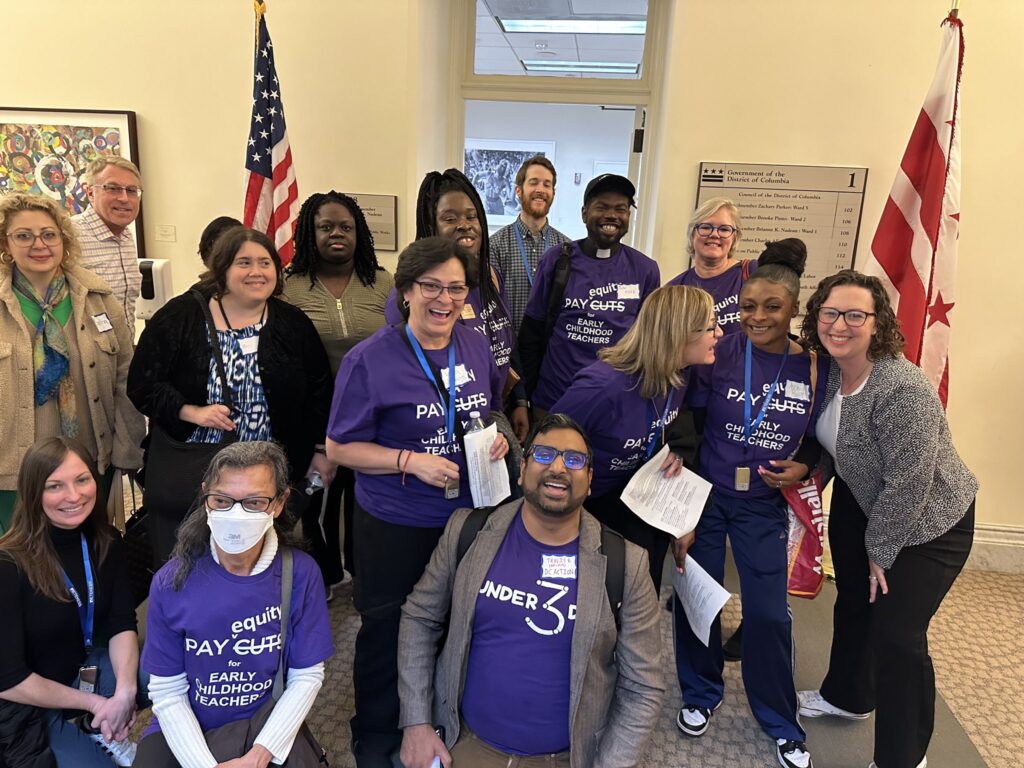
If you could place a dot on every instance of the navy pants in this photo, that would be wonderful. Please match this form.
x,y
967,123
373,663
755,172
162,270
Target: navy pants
x,y
758,530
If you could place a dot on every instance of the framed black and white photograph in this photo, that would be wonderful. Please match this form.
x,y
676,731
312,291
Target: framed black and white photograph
x,y
491,165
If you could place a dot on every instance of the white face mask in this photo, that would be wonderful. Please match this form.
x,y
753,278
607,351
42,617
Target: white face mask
x,y
236,530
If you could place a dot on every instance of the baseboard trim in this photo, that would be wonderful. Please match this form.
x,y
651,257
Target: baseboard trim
x,y
997,548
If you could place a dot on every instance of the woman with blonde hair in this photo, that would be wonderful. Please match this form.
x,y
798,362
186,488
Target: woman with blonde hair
x,y
628,399
65,347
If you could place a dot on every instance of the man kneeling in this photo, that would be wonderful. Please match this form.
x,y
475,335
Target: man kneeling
x,y
531,628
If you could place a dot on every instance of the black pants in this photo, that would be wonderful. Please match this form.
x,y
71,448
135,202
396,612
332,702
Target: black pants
x,y
879,659
324,535
611,511
389,561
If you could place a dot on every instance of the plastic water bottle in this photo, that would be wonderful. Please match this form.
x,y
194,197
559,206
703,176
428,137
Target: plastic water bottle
x,y
314,483
476,424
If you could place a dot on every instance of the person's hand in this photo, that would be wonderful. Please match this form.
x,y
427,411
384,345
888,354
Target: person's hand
x,y
672,465
420,745
876,580
327,468
499,447
521,422
216,416
257,757
679,547
114,717
784,473
432,469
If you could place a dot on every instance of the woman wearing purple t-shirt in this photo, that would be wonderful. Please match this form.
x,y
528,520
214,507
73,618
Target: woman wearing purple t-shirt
x,y
761,398
711,237
627,401
401,404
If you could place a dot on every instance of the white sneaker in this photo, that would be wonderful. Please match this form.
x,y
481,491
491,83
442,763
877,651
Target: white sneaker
x,y
122,753
812,704
792,754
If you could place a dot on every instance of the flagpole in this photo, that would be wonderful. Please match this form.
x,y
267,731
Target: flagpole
x,y
954,12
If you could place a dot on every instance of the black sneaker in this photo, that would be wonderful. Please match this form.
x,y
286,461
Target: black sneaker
x,y
693,721
793,754
733,647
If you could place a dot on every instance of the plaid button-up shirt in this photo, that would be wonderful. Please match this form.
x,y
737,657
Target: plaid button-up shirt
x,y
113,258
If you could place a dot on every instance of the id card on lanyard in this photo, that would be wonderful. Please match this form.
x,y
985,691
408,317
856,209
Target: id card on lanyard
x,y
741,481
653,411
522,252
451,486
87,609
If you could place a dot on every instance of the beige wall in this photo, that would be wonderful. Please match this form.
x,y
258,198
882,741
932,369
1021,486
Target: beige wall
x,y
840,83
366,88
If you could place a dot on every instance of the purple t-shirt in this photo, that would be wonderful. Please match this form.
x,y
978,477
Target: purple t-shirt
x,y
484,320
516,696
724,289
383,396
224,632
621,424
720,388
602,299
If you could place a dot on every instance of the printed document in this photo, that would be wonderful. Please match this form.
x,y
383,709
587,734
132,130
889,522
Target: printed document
x,y
488,480
702,597
672,504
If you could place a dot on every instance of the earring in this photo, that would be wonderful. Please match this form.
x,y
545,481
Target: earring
x,y
6,258
405,303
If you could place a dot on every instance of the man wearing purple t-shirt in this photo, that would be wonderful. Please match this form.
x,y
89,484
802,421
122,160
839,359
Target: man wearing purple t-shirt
x,y
607,283
530,630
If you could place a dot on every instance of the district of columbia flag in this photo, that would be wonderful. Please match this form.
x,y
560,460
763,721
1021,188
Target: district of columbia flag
x,y
914,250
271,192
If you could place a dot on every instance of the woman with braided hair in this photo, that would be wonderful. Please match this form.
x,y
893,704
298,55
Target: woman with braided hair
x,y
449,206
335,279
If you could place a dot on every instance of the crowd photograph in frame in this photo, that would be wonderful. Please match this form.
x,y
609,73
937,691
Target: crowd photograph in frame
x,y
491,165
46,152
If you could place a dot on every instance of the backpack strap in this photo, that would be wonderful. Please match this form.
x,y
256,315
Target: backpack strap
x,y
470,528
286,604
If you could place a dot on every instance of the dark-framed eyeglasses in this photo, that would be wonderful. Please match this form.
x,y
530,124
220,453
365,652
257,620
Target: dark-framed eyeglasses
x,y
854,318
545,454
431,290
218,502
117,190
26,238
725,231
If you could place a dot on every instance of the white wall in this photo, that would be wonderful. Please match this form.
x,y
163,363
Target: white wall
x,y
583,135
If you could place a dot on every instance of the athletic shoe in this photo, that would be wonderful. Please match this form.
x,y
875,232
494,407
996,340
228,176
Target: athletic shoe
x,y
793,754
813,705
693,721
120,752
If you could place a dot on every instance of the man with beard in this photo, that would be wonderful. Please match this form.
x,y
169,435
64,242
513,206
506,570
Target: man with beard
x,y
530,629
516,249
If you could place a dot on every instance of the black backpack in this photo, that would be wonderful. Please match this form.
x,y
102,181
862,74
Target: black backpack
x,y
613,546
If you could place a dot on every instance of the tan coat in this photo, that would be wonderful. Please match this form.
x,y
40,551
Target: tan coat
x,y
105,357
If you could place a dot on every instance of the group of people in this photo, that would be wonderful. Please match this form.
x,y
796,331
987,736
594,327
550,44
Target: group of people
x,y
332,391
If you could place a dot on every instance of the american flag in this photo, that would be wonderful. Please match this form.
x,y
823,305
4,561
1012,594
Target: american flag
x,y
915,245
271,193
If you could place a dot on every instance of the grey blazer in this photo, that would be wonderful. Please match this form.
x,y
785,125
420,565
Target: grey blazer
x,y
620,673
895,452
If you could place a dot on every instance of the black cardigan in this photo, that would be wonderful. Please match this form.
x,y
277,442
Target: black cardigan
x,y
172,363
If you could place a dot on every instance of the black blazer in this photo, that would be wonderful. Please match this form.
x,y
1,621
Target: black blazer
x,y
172,362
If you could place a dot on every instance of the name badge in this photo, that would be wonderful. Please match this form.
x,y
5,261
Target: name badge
x,y
558,567
798,390
249,345
102,322
742,479
451,489
629,291
461,376
468,313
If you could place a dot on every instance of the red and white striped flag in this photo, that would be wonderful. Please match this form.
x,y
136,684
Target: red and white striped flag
x,y
914,249
271,192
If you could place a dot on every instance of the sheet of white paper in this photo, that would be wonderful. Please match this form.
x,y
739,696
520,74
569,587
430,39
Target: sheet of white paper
x,y
672,504
702,597
488,480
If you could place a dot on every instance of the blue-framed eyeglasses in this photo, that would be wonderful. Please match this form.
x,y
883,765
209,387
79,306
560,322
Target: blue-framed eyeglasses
x,y
545,454
724,230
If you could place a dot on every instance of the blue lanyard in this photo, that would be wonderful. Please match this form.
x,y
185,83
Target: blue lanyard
x,y
652,411
750,427
449,415
87,612
522,252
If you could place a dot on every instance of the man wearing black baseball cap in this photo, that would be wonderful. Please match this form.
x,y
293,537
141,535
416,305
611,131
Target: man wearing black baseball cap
x,y
585,295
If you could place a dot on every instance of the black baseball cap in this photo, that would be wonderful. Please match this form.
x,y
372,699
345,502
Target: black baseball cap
x,y
609,182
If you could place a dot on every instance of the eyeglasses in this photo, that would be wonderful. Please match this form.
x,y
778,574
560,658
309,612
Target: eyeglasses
x,y
117,190
725,231
431,290
854,318
545,454
27,238
218,502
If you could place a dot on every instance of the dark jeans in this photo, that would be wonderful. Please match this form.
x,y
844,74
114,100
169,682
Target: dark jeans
x,y
879,659
389,560
323,532
611,511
